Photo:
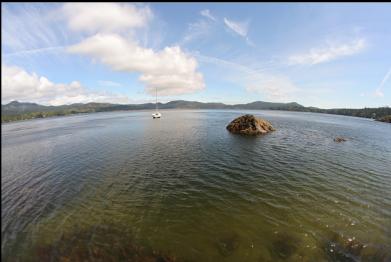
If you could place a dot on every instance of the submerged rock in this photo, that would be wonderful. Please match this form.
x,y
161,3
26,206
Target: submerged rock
x,y
249,125
285,245
339,139
349,249
103,242
228,244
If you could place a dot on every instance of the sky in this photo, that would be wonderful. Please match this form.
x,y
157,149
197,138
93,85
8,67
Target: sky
x,y
327,55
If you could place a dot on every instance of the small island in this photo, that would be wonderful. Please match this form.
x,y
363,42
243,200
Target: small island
x,y
250,125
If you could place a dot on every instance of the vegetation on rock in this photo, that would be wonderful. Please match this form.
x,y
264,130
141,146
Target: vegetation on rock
x,y
386,119
339,139
249,125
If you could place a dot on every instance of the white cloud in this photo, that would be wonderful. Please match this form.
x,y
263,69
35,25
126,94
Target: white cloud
x,y
17,84
208,14
106,17
202,28
170,70
29,27
35,51
329,53
241,28
379,92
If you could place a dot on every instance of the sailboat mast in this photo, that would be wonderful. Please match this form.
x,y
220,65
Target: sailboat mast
x,y
156,99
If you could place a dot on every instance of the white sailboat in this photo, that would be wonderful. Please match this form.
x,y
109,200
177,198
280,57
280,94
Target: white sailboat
x,y
156,114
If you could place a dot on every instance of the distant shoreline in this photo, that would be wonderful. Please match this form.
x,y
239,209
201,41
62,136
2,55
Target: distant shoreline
x,y
17,111
43,115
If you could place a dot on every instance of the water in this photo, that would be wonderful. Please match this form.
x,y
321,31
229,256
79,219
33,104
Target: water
x,y
120,185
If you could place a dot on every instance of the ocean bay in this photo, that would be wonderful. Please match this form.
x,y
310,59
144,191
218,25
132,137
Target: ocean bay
x,y
182,186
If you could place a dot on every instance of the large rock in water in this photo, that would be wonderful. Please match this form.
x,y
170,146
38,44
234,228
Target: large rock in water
x,y
249,125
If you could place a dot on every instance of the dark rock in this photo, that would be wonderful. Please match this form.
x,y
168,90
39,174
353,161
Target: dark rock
x,y
349,249
339,139
340,249
228,244
285,245
98,243
249,125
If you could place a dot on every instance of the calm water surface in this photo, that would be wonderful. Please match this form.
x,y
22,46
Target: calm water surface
x,y
110,186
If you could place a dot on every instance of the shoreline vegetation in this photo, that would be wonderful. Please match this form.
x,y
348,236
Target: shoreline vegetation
x,y
16,111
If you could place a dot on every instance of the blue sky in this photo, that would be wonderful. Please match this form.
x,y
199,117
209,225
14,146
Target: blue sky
x,y
323,55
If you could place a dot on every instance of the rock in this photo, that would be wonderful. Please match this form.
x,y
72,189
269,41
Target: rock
x,y
100,242
228,244
339,139
249,125
339,248
285,245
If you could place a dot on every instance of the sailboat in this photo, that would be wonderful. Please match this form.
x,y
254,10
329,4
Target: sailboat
x,y
156,114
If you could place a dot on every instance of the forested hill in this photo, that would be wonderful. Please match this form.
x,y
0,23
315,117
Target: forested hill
x,y
19,111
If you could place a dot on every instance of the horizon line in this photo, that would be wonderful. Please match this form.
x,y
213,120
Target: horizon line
x,y
384,106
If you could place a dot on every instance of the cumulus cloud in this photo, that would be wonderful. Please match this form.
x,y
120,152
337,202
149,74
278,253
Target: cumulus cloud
x,y
106,17
170,70
17,84
329,53
208,14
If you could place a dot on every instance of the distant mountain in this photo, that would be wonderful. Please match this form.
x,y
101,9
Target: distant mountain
x,y
270,106
182,104
16,107
18,111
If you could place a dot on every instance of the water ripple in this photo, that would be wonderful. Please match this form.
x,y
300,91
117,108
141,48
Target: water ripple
x,y
183,185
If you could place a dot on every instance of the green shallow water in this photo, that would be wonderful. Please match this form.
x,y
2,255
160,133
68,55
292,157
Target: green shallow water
x,y
122,186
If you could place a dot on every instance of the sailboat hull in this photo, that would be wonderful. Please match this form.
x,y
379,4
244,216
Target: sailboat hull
x,y
156,115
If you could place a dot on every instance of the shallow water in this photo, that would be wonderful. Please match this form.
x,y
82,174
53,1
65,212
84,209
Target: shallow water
x,y
120,185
